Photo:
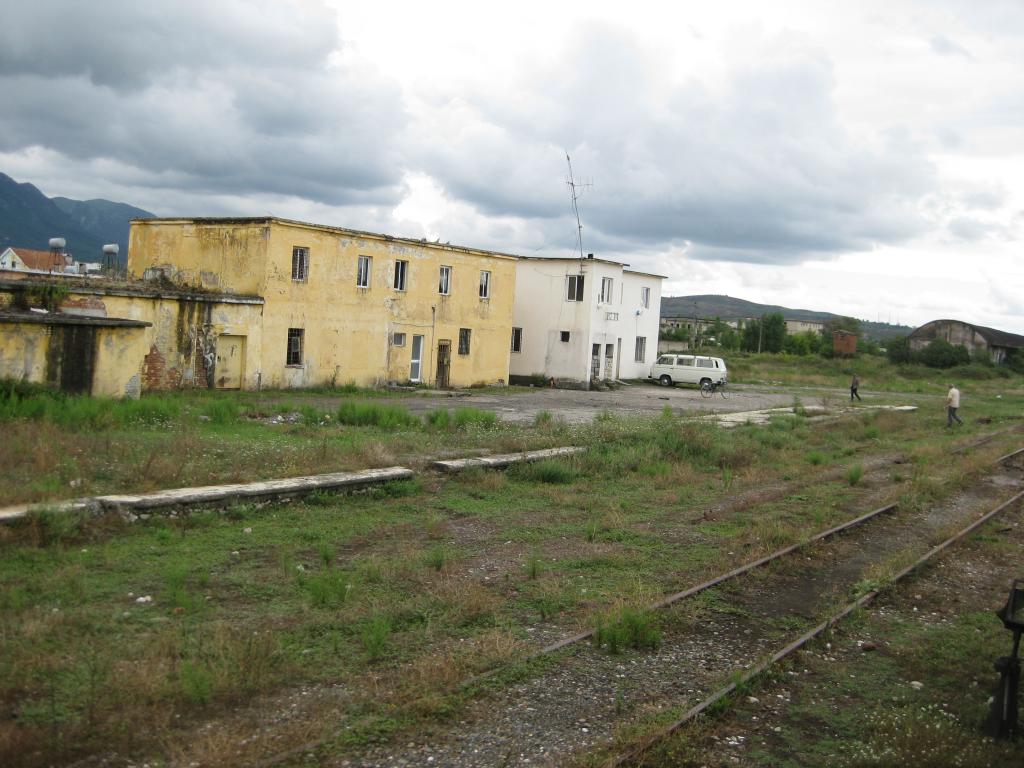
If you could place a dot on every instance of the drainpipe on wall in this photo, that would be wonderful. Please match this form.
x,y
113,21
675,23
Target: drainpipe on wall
x,y
433,320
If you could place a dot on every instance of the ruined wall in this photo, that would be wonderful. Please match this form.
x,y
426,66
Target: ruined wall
x,y
348,329
228,257
23,351
179,350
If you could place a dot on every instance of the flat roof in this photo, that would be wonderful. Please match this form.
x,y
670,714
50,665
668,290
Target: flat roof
x,y
268,220
59,318
99,286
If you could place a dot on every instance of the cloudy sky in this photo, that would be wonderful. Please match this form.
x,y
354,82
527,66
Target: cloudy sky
x,y
864,158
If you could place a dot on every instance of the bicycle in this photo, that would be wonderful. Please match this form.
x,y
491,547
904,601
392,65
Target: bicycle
x,y
708,389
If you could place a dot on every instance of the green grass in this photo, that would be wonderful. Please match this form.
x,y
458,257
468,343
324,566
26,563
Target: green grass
x,y
363,414
627,628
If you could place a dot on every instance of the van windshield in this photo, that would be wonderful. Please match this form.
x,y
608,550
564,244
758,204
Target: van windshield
x,y
666,360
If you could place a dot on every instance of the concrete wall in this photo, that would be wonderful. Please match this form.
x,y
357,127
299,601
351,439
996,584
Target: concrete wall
x,y
956,333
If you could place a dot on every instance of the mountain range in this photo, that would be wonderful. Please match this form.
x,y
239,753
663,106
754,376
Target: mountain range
x,y
728,308
28,219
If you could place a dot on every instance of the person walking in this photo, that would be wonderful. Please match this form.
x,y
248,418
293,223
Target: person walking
x,y
952,403
854,386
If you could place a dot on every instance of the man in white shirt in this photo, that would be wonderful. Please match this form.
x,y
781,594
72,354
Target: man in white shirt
x,y
952,403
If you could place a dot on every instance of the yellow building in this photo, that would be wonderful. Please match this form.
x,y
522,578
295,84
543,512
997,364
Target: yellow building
x,y
117,339
340,305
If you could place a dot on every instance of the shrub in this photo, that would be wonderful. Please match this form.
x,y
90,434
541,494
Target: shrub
x,y
548,471
627,628
941,354
374,636
374,415
854,474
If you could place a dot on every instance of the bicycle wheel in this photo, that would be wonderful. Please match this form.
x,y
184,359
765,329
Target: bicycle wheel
x,y
707,389
721,391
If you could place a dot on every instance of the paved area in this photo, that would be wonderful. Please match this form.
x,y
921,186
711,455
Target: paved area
x,y
579,407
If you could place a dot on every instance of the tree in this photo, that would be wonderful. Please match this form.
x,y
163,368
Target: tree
x,y
751,336
898,350
773,327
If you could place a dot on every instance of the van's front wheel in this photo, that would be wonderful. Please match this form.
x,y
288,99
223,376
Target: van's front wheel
x,y
665,380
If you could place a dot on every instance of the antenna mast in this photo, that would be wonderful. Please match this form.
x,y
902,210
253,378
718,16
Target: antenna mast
x,y
573,187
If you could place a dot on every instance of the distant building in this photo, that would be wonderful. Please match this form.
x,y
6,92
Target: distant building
x,y
27,260
803,326
844,343
977,338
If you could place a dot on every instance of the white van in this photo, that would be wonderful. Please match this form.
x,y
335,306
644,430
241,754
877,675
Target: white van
x,y
688,369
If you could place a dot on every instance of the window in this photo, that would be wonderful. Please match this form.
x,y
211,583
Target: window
x,y
641,350
517,339
606,290
401,270
464,341
705,362
398,339
485,285
666,360
565,335
574,289
363,272
645,298
300,264
444,285
295,339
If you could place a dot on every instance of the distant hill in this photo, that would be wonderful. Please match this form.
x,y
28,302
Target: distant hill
x,y
28,218
729,308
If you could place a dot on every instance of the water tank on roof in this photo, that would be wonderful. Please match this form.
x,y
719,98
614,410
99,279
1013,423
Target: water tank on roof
x,y
112,248
58,243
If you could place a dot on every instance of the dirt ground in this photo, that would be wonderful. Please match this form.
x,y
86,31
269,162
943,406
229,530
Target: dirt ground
x,y
577,407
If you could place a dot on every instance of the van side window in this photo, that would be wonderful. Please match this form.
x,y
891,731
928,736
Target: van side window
x,y
704,362
686,361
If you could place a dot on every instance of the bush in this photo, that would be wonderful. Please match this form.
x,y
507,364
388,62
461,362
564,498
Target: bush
x,y
374,415
550,471
941,354
627,628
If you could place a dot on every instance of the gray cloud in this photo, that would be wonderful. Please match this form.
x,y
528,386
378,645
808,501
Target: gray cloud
x,y
760,171
236,98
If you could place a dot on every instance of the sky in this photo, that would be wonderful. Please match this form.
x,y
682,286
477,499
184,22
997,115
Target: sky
x,y
860,158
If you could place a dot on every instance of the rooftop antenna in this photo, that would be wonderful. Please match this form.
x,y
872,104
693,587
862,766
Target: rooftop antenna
x,y
574,191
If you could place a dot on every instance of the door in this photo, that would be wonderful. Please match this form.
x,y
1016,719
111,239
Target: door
x,y
230,361
595,361
609,360
444,362
416,364
618,362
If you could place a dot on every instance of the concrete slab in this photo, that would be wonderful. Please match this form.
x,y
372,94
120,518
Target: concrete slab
x,y
215,494
764,415
504,460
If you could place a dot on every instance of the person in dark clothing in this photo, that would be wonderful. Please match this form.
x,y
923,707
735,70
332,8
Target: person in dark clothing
x,y
854,385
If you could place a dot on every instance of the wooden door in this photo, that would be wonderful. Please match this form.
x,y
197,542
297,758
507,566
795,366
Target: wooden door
x,y
444,361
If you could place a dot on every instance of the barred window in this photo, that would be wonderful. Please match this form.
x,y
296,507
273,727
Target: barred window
x,y
300,264
464,341
295,343
641,350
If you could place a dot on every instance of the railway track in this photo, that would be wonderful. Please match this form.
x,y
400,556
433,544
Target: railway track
x,y
606,668
587,693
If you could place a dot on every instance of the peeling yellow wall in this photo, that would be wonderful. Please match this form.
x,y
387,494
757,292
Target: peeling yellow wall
x,y
347,329
213,256
23,351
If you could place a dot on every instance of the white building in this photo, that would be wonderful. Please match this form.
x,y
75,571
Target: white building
x,y
578,320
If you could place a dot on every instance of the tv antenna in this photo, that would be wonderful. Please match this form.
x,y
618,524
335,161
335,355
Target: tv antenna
x,y
574,189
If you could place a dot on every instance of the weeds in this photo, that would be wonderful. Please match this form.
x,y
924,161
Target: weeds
x,y
360,414
627,628
854,474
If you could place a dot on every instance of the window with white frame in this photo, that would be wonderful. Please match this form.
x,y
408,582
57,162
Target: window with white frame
x,y
398,339
401,272
296,338
517,339
645,298
300,264
606,290
464,334
363,272
444,283
485,284
574,288
641,350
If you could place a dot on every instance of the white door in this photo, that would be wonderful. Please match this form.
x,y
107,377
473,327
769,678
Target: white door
x,y
417,358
